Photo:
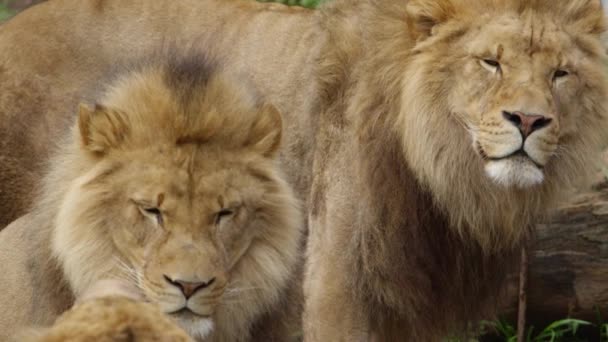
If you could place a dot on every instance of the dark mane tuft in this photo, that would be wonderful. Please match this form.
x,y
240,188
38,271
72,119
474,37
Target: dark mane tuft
x,y
187,74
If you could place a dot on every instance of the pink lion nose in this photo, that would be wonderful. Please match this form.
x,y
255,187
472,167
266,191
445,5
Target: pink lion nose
x,y
189,288
527,123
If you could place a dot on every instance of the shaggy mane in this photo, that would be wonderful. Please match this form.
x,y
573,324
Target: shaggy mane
x,y
156,110
441,237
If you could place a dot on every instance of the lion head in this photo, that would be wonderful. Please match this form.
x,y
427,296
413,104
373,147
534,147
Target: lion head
x,y
524,78
500,105
170,182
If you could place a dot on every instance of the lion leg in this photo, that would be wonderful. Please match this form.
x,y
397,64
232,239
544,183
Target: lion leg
x,y
332,312
387,328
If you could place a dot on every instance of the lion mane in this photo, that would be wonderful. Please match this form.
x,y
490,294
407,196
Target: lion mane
x,y
410,90
426,137
170,183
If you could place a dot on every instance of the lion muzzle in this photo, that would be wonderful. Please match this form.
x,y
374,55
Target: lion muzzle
x,y
526,123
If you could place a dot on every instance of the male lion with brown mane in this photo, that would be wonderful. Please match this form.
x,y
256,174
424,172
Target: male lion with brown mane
x,y
426,136
169,184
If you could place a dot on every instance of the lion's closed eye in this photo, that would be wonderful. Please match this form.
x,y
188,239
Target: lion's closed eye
x,y
560,73
151,212
223,215
490,64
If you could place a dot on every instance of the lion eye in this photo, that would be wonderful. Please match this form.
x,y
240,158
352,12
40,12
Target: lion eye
x,y
559,73
490,64
223,214
153,212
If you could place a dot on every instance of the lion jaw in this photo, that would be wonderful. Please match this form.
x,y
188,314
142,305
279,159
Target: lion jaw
x,y
518,171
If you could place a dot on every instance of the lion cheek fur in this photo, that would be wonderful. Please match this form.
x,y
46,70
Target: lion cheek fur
x,y
84,254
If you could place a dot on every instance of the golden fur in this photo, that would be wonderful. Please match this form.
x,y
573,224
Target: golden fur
x,y
110,319
170,183
394,132
415,108
39,95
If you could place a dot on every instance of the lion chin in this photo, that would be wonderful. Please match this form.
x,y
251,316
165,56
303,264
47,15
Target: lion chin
x,y
515,171
195,325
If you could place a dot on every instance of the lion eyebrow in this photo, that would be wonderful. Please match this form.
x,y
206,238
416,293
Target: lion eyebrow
x,y
499,51
531,35
160,199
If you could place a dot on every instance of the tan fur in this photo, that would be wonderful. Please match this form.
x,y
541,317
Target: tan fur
x,y
191,144
427,242
110,319
40,95
385,106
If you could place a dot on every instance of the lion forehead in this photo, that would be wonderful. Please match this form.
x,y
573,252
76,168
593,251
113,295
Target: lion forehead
x,y
508,37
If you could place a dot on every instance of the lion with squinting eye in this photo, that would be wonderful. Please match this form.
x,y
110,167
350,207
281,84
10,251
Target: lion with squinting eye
x,y
170,184
426,137
460,123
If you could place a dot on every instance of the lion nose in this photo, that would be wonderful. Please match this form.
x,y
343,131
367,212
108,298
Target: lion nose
x,y
527,123
189,288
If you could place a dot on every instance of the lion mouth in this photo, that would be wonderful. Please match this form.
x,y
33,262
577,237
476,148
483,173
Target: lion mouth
x,y
519,154
186,312
517,169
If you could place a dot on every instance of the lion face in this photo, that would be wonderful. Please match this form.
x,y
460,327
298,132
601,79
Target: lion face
x,y
183,222
523,80
510,100
181,197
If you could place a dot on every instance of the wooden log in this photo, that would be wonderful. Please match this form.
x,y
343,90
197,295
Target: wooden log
x,y
568,269
522,309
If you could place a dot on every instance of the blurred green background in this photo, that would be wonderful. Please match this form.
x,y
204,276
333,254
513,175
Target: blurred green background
x,y
5,10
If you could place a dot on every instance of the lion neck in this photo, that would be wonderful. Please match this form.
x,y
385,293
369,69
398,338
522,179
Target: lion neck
x,y
456,280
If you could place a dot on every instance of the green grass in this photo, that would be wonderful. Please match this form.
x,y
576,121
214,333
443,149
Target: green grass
x,y
5,11
563,330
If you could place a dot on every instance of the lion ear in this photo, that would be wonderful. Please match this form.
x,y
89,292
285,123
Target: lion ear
x,y
100,128
424,15
266,130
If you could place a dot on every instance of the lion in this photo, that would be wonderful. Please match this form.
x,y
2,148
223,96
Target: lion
x,y
460,123
425,137
169,183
